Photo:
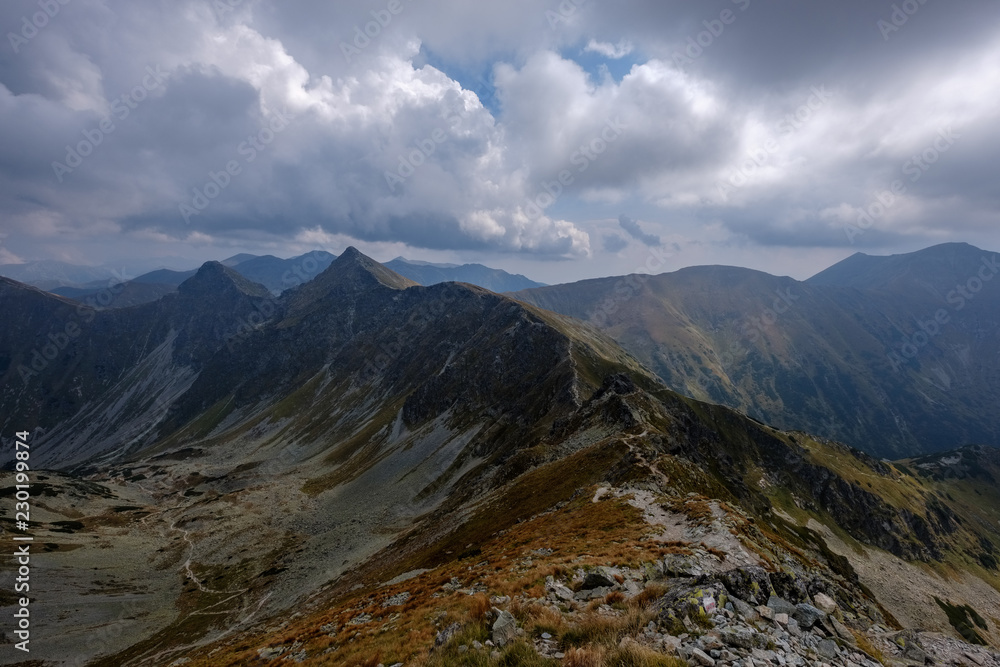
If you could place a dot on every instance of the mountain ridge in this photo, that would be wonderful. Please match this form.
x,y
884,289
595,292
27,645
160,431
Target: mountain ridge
x,y
835,360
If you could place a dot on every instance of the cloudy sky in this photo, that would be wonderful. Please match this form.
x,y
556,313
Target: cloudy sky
x,y
562,140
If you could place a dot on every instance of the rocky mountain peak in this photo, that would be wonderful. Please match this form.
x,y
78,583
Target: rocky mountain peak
x,y
214,278
351,274
357,269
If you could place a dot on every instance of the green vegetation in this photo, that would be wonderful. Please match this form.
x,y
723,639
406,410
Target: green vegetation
x,y
965,620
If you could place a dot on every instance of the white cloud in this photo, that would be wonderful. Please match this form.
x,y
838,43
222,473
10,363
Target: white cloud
x,y
608,50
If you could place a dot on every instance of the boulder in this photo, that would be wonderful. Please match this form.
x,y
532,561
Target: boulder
x,y
789,587
780,605
504,628
680,566
445,635
597,579
702,658
591,594
807,615
743,609
827,649
738,638
695,600
747,583
825,603
843,631
559,592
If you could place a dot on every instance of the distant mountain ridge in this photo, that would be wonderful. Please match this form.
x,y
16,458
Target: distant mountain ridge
x,y
494,280
273,272
885,354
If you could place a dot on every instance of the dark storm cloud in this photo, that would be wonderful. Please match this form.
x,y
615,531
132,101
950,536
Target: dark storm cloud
x,y
718,121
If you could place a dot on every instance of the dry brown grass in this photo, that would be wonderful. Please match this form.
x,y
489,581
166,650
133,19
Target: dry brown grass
x,y
479,606
718,553
632,654
581,534
649,595
590,656
695,508
614,597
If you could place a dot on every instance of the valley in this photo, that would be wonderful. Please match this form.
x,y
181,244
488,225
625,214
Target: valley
x,y
382,472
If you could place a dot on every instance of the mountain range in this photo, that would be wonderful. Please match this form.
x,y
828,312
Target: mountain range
x,y
91,284
365,470
894,355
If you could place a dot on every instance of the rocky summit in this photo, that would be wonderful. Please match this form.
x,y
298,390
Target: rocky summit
x,y
362,470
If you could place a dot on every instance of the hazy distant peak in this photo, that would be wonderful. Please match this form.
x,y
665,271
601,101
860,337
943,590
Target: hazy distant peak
x,y
418,262
939,266
215,278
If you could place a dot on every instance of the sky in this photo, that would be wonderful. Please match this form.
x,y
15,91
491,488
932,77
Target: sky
x,y
559,139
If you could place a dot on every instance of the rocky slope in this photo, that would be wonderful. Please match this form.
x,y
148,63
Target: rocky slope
x,y
339,474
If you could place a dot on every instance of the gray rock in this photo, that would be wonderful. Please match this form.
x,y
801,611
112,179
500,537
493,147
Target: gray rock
x,y
597,579
743,609
445,635
504,629
592,594
738,638
827,649
702,658
843,631
748,583
807,615
396,600
780,606
824,603
560,592
680,566
915,653
270,653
